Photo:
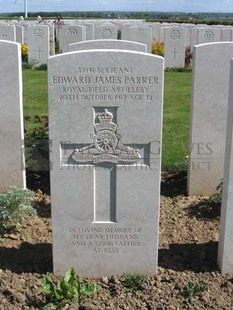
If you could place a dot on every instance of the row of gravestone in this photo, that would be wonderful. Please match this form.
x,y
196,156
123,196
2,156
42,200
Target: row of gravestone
x,y
41,38
105,115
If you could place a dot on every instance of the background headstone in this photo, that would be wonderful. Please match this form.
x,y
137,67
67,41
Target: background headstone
x,y
19,34
207,35
225,248
226,34
38,44
89,31
174,47
106,31
105,127
71,34
210,86
141,34
7,33
12,163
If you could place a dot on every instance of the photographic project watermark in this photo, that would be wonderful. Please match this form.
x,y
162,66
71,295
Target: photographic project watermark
x,y
37,154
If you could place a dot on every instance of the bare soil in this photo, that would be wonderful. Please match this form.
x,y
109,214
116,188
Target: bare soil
x,y
189,231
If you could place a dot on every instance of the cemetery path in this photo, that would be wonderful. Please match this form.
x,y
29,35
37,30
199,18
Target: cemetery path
x,y
189,228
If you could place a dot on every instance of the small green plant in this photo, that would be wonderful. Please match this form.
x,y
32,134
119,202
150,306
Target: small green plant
x,y
193,289
14,205
42,67
217,197
37,143
179,69
133,282
69,290
182,166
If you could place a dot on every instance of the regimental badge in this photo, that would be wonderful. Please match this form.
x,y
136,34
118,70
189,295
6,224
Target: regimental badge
x,y
106,146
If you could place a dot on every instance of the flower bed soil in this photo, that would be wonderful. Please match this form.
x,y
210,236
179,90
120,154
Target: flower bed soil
x,y
189,231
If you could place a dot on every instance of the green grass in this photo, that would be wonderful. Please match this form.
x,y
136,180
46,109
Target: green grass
x,y
35,92
177,92
176,119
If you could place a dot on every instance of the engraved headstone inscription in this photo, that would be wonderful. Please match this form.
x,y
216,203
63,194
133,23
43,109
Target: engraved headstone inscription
x,y
12,165
105,112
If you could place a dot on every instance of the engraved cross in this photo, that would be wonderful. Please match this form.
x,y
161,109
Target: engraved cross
x,y
105,156
39,51
174,52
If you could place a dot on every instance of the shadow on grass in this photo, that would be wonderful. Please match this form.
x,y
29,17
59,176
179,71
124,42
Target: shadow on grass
x,y
29,258
190,256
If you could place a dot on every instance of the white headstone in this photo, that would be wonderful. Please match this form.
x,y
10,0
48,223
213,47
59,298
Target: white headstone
x,y
193,37
211,67
12,163
108,44
141,34
174,47
125,34
105,31
38,44
71,34
89,31
7,33
105,127
225,248
155,30
19,34
207,35
226,34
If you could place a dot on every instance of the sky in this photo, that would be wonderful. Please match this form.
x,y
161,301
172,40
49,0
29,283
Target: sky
x,y
118,5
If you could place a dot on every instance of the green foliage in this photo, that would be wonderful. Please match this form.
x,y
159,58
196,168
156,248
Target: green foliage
x,y
217,197
42,67
37,143
191,290
69,290
40,129
14,205
179,69
133,282
183,166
